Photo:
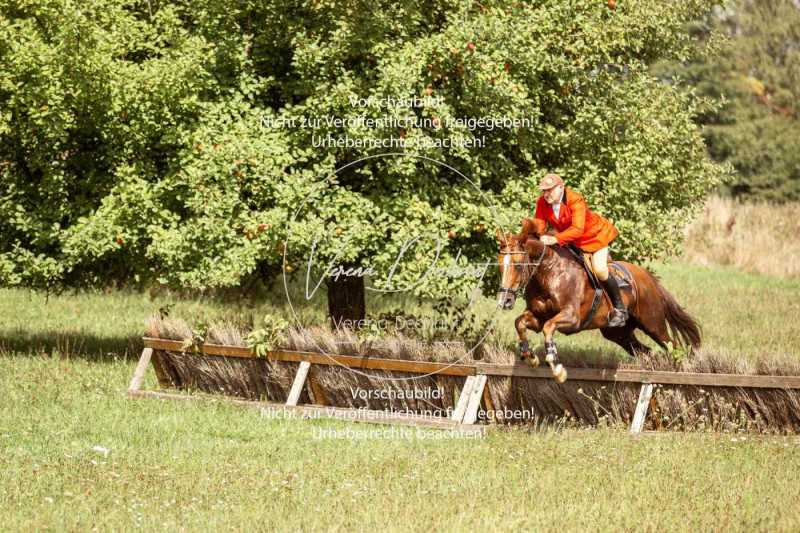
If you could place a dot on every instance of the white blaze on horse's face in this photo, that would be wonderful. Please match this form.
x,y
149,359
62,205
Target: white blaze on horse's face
x,y
509,282
503,282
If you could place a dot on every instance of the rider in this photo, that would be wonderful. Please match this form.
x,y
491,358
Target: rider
x,y
567,212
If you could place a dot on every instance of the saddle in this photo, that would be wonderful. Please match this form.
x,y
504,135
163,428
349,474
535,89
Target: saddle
x,y
618,270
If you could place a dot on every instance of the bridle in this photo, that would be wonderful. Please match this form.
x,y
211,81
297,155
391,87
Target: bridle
x,y
528,271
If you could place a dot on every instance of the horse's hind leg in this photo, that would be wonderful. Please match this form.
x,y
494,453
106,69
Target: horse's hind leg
x,y
626,338
656,329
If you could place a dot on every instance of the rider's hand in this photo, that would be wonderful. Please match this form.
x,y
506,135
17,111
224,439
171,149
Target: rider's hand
x,y
549,240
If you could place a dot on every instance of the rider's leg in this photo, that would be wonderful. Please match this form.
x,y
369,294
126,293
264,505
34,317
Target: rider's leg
x,y
600,263
600,266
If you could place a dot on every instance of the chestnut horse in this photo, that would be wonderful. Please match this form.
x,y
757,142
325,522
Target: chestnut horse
x,y
558,297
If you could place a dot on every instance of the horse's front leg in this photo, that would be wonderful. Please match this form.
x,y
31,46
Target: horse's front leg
x,y
566,319
524,322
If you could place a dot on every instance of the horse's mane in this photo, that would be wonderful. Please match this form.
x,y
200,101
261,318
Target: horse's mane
x,y
564,253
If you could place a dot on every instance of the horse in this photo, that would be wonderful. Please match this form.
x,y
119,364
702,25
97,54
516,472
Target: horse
x,y
558,296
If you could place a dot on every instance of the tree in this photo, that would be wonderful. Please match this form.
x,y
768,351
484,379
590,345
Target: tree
x,y
191,124
754,79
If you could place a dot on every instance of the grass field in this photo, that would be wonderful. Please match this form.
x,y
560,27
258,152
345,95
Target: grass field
x,y
75,453
736,310
175,466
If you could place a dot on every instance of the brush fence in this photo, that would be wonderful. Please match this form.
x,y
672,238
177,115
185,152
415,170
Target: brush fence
x,y
294,383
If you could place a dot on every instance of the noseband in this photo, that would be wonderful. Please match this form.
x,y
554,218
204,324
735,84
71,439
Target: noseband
x,y
528,272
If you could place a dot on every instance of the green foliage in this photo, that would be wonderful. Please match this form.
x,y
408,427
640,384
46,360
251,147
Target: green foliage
x,y
371,332
199,334
679,354
136,145
756,81
266,338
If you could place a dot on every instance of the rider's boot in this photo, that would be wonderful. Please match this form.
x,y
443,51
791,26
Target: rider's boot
x,y
619,315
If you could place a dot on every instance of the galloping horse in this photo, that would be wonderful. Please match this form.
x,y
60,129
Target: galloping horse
x,y
559,297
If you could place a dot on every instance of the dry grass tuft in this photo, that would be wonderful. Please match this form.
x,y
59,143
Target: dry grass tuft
x,y
167,328
226,333
755,237
347,342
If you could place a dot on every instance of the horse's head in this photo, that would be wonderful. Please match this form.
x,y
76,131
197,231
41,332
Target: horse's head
x,y
511,261
519,254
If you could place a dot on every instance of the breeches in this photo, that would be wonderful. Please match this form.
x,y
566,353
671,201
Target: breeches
x,y
600,263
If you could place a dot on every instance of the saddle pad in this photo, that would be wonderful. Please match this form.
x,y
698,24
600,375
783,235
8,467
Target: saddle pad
x,y
618,270
621,274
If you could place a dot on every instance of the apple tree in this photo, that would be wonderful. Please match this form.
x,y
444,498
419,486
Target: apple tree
x,y
203,145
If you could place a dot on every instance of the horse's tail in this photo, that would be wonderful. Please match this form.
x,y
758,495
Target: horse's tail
x,y
684,328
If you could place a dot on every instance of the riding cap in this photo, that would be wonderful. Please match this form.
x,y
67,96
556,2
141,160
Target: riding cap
x,y
550,181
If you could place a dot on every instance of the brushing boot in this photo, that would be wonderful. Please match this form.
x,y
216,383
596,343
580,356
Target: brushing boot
x,y
619,315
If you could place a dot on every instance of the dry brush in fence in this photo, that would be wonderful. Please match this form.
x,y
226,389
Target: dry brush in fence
x,y
511,399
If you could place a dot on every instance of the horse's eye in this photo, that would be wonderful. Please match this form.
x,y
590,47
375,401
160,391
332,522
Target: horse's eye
x,y
518,266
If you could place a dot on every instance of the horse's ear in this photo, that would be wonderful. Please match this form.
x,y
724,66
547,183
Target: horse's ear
x,y
532,246
501,237
526,226
529,227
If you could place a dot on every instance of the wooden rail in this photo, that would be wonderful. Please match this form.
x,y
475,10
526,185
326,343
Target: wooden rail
x,y
703,379
491,369
473,392
350,361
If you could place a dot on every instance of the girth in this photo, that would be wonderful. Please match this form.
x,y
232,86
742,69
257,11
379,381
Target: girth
x,y
593,281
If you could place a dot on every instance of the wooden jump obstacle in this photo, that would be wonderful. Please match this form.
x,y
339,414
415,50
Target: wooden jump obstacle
x,y
472,396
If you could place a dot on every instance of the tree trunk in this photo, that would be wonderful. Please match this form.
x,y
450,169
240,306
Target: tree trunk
x,y
346,301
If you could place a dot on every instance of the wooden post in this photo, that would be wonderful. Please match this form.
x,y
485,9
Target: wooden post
x,y
474,402
463,399
164,379
299,382
641,408
141,368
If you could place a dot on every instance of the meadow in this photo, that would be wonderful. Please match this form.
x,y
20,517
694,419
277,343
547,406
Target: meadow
x,y
753,237
76,453
737,310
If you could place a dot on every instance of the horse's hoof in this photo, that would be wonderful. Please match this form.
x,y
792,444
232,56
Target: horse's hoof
x,y
533,361
560,373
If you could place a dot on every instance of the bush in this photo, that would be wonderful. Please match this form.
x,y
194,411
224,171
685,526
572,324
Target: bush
x,y
134,146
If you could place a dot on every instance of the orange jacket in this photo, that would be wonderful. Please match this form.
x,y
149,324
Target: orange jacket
x,y
576,223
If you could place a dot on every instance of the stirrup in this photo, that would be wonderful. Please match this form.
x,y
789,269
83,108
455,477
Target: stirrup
x,y
618,317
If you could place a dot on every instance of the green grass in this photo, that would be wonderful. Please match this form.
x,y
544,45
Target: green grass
x,y
211,465
205,466
742,315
